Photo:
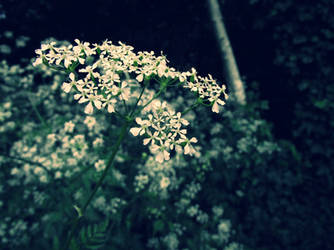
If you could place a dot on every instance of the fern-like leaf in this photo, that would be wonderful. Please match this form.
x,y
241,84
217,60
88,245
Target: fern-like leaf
x,y
94,236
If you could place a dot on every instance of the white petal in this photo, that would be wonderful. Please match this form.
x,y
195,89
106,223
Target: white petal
x,y
67,63
161,71
38,61
183,131
72,77
45,47
221,102
187,149
166,155
139,121
89,108
66,87
146,141
159,157
98,104
184,122
193,140
81,60
215,107
142,132
124,84
111,108
178,149
140,78
83,99
154,148
135,131
77,96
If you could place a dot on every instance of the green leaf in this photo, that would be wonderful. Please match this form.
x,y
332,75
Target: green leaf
x,y
158,226
94,236
55,243
321,104
74,245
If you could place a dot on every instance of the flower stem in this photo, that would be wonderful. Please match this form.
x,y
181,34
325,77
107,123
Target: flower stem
x,y
75,224
39,116
190,108
141,94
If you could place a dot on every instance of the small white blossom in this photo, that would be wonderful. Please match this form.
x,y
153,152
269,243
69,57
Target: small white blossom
x,y
68,86
90,121
164,183
99,165
69,127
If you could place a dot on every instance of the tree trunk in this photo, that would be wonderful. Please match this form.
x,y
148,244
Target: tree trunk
x,y
230,66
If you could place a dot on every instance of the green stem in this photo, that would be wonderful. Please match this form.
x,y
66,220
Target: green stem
x,y
75,224
30,162
141,94
190,108
148,103
40,118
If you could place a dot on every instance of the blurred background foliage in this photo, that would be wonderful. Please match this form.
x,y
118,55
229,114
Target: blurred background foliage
x,y
269,165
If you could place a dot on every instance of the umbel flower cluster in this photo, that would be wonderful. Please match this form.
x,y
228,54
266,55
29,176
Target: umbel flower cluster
x,y
164,131
115,78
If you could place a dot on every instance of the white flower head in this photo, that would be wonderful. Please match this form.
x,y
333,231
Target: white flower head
x,y
164,182
69,127
90,122
99,165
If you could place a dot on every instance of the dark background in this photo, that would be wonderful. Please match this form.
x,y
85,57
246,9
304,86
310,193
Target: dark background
x,y
284,50
181,29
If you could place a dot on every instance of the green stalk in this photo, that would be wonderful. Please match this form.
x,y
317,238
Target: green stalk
x,y
123,133
149,102
190,108
40,118
141,94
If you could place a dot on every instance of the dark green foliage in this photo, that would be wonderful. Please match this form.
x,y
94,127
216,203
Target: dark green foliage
x,y
297,187
93,236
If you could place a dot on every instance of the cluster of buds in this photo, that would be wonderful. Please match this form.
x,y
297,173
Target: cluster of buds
x,y
106,76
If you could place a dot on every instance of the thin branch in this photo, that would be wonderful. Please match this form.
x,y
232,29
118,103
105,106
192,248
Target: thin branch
x,y
227,56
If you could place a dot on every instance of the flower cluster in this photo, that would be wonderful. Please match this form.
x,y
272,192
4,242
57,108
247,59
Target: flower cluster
x,y
164,132
111,76
101,85
60,154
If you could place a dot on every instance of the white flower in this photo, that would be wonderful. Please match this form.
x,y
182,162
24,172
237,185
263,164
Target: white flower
x,y
58,175
139,130
69,126
89,109
161,152
90,71
188,148
164,182
140,78
90,99
99,165
97,142
90,122
68,86
215,107
110,103
124,91
43,179
83,47
38,171
151,138
177,119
